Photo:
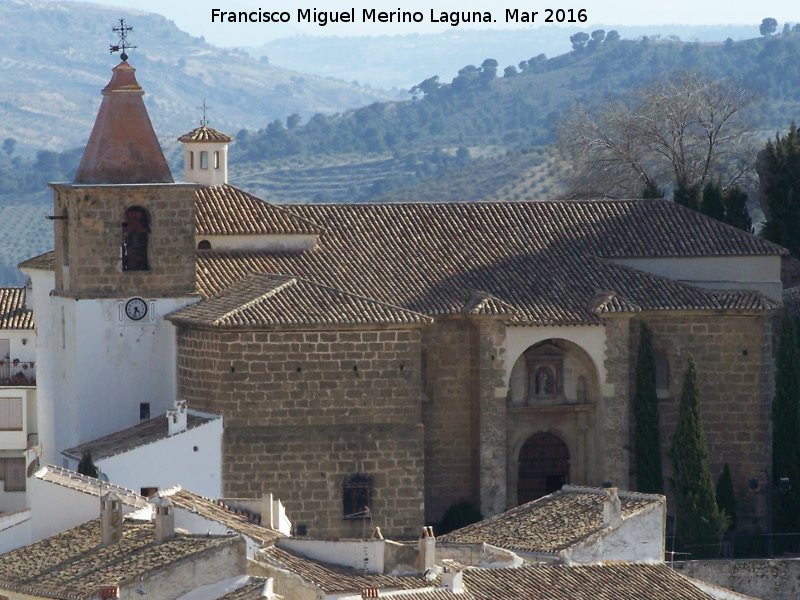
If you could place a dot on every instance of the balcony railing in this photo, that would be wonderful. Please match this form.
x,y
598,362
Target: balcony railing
x,y
15,373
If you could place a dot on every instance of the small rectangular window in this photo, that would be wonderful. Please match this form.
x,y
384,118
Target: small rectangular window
x,y
357,497
144,411
662,373
149,492
10,414
204,160
216,160
12,471
191,161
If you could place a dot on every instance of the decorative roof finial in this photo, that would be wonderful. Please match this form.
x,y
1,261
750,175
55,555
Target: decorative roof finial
x,y
204,121
122,31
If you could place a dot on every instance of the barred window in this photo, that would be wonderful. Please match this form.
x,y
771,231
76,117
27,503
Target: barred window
x,y
357,496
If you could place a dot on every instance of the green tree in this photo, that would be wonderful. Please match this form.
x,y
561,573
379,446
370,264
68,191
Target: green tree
x,y
726,499
579,40
736,208
713,202
696,511
687,195
768,26
647,446
786,428
779,170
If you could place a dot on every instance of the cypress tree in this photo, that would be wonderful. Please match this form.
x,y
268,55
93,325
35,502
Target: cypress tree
x,y
687,195
647,446
786,429
713,203
86,466
696,511
726,499
780,172
736,209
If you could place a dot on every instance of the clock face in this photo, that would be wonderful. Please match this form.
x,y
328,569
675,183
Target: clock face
x,y
136,309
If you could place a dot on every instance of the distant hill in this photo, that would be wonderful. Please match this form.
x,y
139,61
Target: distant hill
x,y
401,61
54,61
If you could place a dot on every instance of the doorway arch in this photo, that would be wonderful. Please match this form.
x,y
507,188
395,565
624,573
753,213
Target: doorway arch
x,y
543,466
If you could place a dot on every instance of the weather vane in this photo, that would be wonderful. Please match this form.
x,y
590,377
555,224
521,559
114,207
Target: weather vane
x,y
204,108
122,31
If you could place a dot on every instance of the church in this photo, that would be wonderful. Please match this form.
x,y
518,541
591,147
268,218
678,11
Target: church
x,y
375,364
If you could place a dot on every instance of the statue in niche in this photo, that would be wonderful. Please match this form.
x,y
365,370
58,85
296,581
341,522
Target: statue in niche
x,y
545,383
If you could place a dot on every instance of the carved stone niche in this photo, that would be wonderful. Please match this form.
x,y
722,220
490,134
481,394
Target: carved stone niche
x,y
545,366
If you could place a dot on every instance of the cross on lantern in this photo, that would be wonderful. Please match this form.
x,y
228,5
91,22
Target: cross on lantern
x,y
122,31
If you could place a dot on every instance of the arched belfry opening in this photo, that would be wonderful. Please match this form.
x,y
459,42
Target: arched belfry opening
x,y
543,466
135,232
553,417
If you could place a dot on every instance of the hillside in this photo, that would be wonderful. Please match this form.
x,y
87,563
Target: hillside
x,y
55,61
401,61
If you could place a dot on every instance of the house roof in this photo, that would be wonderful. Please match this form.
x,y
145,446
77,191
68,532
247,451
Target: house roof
x,y
260,299
551,523
227,210
249,591
89,485
13,314
204,133
139,435
237,521
538,263
547,260
72,565
43,262
334,579
620,581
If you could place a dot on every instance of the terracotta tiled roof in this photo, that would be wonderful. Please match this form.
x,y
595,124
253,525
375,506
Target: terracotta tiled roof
x,y
434,594
552,523
620,581
13,314
42,262
217,511
89,485
260,300
140,434
226,210
250,591
333,579
72,565
204,133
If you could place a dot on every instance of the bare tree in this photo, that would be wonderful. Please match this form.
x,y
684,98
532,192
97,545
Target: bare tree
x,y
686,130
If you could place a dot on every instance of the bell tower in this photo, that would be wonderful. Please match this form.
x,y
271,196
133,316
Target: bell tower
x,y
124,258
205,154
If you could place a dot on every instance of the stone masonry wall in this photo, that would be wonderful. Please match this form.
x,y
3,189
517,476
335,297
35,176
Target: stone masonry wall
x,y
451,474
733,353
89,241
614,414
305,409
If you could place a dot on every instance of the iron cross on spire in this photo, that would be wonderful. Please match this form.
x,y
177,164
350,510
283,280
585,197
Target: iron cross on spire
x,y
204,108
122,31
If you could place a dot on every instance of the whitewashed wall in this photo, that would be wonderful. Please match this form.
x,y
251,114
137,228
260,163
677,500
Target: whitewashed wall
x,y
172,461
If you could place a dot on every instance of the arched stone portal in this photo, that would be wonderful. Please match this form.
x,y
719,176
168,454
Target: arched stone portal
x,y
543,466
553,412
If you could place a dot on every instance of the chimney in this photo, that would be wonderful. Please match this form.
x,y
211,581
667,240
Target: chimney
x,y
452,580
427,553
267,591
177,418
109,591
165,519
110,519
612,507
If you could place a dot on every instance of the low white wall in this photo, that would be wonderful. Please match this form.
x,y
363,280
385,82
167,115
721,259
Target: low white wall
x,y
777,579
191,459
347,554
15,530
760,273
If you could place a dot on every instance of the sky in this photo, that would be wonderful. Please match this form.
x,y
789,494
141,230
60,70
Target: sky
x,y
196,17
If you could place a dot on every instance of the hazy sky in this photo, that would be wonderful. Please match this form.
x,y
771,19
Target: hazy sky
x,y
195,17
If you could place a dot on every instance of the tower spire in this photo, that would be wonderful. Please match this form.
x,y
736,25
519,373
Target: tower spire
x,y
122,31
